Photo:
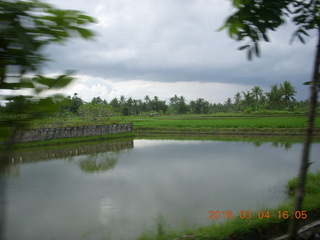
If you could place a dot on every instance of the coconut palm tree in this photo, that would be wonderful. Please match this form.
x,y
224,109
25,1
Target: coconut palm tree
x,y
288,92
247,99
228,104
257,93
274,97
237,100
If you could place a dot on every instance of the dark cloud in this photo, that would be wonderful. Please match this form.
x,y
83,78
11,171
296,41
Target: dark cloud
x,y
177,41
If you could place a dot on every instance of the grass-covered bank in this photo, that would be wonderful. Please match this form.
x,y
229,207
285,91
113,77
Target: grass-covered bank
x,y
264,224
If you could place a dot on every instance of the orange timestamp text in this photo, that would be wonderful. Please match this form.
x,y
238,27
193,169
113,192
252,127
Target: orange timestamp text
x,y
257,215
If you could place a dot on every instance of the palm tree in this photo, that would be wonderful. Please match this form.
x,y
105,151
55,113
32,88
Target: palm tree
x,y
200,106
122,100
274,97
257,93
247,99
147,102
237,100
288,92
129,106
228,104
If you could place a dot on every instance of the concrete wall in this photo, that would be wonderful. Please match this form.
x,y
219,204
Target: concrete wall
x,y
69,132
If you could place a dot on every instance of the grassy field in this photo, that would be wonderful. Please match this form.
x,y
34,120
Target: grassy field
x,y
273,222
284,120
214,126
223,122
233,123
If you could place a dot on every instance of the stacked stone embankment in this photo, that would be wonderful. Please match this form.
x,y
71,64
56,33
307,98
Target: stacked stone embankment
x,y
69,132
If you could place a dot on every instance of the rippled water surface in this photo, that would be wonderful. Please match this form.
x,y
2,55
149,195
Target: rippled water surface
x,y
117,190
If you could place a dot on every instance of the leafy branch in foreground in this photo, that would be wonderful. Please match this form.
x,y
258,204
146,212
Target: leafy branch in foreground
x,y
26,28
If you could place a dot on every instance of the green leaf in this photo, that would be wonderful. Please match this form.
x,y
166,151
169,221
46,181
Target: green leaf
x,y
307,83
52,83
222,27
249,54
62,81
243,47
236,3
11,86
43,80
87,18
257,50
304,32
298,10
265,37
85,33
301,38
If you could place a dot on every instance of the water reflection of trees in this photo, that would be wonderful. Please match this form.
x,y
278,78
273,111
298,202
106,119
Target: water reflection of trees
x,y
96,163
12,171
278,144
94,157
285,145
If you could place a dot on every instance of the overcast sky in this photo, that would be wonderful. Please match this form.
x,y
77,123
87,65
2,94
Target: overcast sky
x,y
166,47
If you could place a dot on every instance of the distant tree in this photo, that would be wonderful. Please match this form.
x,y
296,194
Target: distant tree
x,y
228,104
288,93
138,106
257,93
178,104
115,103
122,100
237,101
76,102
147,106
274,97
92,111
251,21
200,106
158,105
18,105
128,107
247,100
97,100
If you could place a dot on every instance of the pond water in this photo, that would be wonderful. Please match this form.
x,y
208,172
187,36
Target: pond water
x,y
118,190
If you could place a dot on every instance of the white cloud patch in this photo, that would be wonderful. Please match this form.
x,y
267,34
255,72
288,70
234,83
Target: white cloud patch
x,y
88,87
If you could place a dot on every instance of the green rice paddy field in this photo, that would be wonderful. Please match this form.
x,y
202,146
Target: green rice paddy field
x,y
232,123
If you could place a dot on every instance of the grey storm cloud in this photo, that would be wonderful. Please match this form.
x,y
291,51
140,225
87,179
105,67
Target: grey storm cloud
x,y
172,41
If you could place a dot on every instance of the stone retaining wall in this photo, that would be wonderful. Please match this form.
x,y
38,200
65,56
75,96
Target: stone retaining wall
x,y
69,132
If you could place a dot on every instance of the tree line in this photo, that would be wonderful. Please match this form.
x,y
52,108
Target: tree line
x,y
280,97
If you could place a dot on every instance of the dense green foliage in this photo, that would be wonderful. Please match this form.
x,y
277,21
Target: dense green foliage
x,y
26,28
279,98
253,19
